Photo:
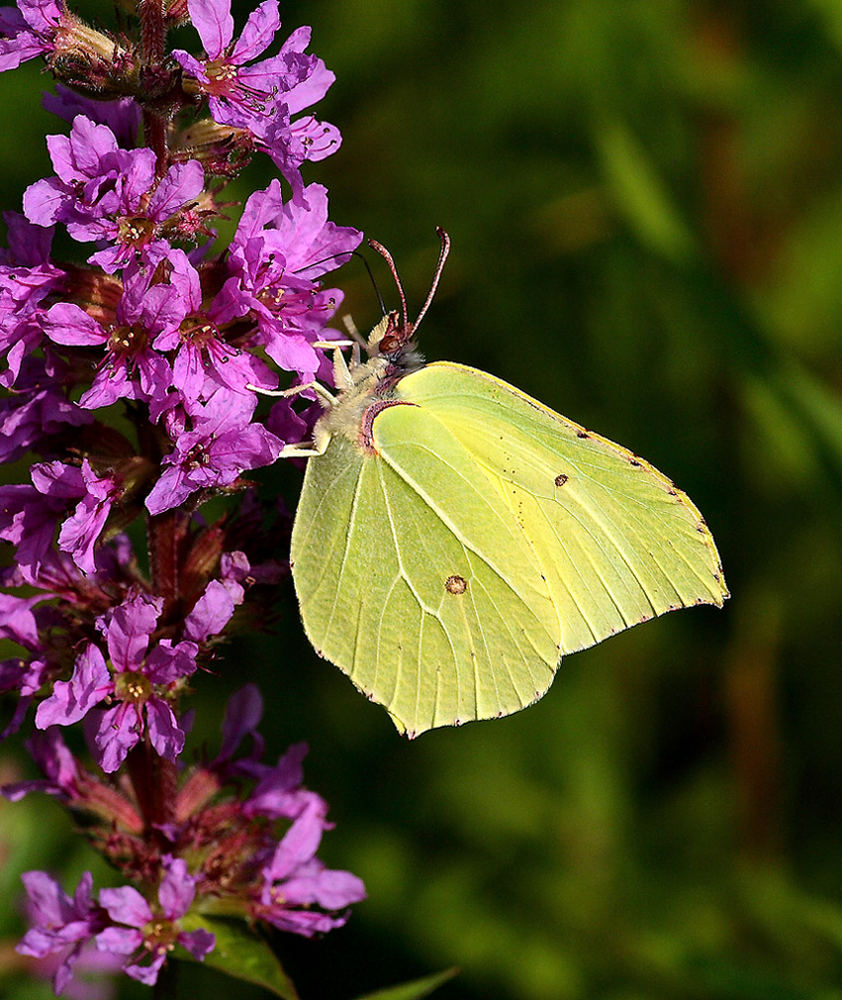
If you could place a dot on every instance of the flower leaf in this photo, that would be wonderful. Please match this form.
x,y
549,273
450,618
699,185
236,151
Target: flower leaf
x,y
242,954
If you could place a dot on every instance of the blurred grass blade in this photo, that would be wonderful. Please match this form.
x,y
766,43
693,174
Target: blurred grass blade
x,y
415,990
742,338
639,193
818,405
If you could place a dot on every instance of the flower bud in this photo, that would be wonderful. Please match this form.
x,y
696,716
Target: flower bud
x,y
91,61
222,150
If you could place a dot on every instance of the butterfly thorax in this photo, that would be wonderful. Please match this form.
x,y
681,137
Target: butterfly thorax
x,y
370,386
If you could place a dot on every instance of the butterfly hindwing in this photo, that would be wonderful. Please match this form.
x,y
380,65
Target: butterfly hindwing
x,y
427,597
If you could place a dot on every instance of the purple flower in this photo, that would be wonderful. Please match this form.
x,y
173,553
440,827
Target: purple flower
x,y
50,753
242,714
29,246
72,700
61,924
137,222
59,482
102,192
66,779
94,973
34,415
17,620
86,162
121,116
275,255
131,368
28,520
21,622
180,338
28,30
142,931
278,792
234,572
203,361
237,93
295,881
29,514
19,337
140,682
288,145
212,612
82,529
218,445
55,574
261,97
27,278
282,881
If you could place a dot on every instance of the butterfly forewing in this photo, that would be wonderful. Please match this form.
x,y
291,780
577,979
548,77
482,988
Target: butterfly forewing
x,y
616,540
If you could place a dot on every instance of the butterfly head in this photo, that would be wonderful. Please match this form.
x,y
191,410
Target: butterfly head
x,y
391,342
392,338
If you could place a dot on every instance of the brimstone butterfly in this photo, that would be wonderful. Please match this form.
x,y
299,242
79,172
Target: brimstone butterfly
x,y
455,538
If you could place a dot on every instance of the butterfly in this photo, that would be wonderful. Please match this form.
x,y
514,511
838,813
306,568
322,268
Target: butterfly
x,y
455,538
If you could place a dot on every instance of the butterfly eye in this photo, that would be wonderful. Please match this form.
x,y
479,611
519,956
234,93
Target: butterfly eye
x,y
389,343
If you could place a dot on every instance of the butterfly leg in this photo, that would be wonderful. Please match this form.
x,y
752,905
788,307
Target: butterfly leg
x,y
353,332
302,449
341,371
332,345
326,397
358,340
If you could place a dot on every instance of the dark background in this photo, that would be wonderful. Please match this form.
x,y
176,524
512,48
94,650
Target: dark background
x,y
645,202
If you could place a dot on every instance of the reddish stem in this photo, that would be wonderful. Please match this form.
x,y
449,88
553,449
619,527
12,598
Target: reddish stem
x,y
155,782
155,137
155,779
166,535
153,29
153,36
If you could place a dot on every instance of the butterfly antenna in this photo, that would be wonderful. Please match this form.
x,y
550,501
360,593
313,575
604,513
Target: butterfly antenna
x,y
349,254
443,252
380,301
384,253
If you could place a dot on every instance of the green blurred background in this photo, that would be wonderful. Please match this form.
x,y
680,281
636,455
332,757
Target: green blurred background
x,y
645,202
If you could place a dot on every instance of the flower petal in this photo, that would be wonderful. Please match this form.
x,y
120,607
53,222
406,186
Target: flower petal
x,y
72,700
213,20
126,905
177,889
